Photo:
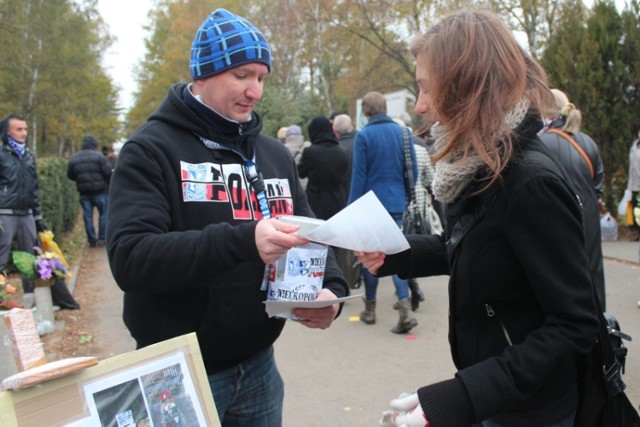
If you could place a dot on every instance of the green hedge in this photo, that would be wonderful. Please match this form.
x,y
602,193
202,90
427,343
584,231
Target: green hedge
x,y
58,195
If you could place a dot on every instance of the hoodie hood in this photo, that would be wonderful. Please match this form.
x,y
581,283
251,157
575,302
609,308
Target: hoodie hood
x,y
320,130
89,142
204,122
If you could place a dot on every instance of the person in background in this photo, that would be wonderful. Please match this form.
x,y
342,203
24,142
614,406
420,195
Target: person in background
x,y
294,141
324,163
296,144
112,157
91,172
282,134
378,165
584,171
422,202
333,115
20,208
633,183
521,306
192,222
343,128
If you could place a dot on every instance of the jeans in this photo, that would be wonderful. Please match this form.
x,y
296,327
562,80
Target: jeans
x,y
371,282
88,203
250,394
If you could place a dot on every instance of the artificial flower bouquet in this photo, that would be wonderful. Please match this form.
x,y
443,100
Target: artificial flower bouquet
x,y
42,267
7,292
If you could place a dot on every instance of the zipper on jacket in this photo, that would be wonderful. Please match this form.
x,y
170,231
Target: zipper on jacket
x,y
491,313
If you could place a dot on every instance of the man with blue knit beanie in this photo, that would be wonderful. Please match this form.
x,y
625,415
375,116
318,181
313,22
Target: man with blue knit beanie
x,y
191,222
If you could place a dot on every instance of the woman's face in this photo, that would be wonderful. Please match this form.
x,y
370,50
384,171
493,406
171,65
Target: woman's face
x,y
424,104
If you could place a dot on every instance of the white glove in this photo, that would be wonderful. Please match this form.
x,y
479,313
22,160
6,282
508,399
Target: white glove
x,y
407,412
405,402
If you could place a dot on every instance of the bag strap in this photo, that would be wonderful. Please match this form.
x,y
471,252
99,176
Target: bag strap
x,y
577,147
614,384
410,180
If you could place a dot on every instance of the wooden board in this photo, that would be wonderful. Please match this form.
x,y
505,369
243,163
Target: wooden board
x,y
61,401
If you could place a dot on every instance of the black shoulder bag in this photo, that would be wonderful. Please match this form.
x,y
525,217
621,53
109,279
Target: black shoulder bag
x,y
603,402
412,221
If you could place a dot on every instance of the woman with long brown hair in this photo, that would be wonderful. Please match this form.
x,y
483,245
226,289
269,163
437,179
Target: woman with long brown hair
x,y
521,307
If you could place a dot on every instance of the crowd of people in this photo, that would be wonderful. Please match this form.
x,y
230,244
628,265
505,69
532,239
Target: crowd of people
x,y
504,155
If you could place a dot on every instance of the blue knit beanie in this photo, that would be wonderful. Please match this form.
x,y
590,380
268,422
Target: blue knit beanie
x,y
224,41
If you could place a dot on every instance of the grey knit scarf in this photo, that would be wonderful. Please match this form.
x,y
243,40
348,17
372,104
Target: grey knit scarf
x,y
454,175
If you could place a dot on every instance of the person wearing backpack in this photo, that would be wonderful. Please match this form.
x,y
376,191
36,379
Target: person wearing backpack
x,y
578,155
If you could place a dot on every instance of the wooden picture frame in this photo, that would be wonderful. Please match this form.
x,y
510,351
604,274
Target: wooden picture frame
x,y
75,400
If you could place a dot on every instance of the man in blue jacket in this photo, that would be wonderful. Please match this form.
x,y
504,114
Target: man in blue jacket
x,y
378,165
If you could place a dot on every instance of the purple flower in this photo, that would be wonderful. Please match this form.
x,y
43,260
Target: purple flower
x,y
44,267
59,266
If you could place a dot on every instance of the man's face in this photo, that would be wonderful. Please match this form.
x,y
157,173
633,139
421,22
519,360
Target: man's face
x,y
235,92
17,130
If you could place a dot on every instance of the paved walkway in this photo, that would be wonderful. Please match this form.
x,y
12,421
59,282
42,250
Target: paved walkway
x,y
346,375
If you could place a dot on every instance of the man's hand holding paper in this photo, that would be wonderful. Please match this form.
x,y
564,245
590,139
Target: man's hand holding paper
x,y
318,317
274,239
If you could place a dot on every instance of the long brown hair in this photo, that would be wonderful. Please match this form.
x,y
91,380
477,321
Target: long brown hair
x,y
477,73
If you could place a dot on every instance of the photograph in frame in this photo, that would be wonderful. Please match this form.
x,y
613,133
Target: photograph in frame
x,y
157,393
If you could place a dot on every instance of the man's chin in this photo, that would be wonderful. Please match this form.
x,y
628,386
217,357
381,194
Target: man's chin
x,y
243,117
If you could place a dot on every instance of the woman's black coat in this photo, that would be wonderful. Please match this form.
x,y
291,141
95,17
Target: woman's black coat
x,y
521,308
325,163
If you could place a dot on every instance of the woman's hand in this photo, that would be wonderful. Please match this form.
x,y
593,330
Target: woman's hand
x,y
372,261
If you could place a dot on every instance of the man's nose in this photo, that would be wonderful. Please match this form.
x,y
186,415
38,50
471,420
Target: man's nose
x,y
254,91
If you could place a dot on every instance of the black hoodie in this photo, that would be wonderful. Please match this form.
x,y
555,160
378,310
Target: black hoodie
x,y
181,226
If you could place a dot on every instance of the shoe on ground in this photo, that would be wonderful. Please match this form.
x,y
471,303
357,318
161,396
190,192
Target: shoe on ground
x,y
93,244
100,243
404,327
416,298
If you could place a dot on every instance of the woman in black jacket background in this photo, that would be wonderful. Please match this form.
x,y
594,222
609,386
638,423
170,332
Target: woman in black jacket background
x,y
325,163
